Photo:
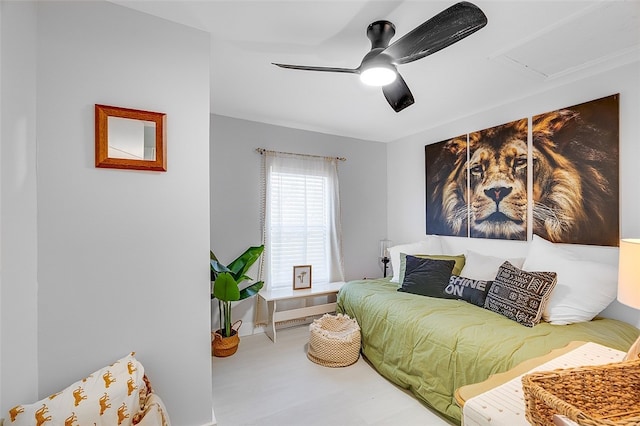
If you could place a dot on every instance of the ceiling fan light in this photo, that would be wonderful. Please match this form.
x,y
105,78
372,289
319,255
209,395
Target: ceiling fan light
x,y
378,75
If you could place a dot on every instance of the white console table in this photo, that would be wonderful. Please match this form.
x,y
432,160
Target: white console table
x,y
272,297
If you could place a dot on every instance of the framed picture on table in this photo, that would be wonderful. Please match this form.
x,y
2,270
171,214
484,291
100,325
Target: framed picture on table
x,y
301,277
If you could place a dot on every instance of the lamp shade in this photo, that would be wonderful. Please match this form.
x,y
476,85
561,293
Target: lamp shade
x,y
629,272
377,69
378,76
384,248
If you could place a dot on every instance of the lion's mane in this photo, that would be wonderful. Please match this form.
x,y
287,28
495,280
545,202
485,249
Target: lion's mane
x,y
575,187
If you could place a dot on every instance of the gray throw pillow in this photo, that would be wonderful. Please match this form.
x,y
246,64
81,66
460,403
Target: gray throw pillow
x,y
427,277
469,290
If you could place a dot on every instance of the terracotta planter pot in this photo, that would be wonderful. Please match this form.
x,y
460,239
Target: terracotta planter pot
x,y
225,346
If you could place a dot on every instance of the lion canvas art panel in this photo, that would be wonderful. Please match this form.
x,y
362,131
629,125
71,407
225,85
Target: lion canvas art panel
x,y
498,182
576,173
446,187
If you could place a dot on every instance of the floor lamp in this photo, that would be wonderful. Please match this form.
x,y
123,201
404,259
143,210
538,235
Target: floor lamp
x,y
629,282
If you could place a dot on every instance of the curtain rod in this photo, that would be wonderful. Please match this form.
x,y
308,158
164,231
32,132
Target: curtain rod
x,y
263,151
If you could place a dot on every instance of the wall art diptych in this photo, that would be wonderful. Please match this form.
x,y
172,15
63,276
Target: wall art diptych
x,y
477,184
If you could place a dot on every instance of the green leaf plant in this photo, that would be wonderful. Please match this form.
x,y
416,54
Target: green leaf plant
x,y
226,284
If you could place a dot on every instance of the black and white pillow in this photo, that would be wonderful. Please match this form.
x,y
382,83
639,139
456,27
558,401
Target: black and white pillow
x,y
469,290
520,295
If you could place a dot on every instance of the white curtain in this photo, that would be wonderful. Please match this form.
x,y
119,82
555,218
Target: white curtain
x,y
301,223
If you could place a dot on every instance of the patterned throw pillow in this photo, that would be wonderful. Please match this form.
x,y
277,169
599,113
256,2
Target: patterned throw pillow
x,y
520,295
109,396
427,277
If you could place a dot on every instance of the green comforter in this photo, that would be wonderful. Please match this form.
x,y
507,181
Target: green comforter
x,y
433,346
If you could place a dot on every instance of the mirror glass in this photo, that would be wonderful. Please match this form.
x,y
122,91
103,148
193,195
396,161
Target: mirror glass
x,y
130,139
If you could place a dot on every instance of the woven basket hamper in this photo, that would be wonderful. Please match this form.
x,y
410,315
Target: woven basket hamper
x,y
604,395
334,341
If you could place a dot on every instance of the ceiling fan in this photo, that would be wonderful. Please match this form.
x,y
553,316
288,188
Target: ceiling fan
x,y
378,67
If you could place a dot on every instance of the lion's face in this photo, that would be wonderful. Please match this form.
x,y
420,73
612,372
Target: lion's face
x,y
495,202
498,181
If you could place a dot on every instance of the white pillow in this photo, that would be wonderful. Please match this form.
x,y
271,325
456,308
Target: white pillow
x,y
431,245
480,267
584,288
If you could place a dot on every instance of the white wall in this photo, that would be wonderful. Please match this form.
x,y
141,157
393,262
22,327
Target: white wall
x,y
406,180
123,254
236,193
18,237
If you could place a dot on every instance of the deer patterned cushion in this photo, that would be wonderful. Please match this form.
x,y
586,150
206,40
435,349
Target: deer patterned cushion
x,y
109,396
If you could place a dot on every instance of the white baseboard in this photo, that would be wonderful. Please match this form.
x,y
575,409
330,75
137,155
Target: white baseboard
x,y
261,328
294,322
258,329
213,421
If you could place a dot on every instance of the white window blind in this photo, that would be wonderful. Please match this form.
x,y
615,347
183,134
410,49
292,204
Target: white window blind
x,y
302,222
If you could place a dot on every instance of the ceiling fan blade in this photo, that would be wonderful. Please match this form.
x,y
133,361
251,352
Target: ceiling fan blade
x,y
446,28
398,94
327,69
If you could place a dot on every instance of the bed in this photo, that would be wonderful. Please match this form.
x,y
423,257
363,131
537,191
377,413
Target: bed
x,y
431,346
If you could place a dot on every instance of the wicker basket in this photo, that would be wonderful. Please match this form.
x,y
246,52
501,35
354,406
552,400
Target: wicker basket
x,y
607,395
334,341
226,346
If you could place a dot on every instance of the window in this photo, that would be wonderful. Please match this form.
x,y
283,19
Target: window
x,y
302,222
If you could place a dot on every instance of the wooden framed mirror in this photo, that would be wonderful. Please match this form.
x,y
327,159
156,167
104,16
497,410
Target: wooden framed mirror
x,y
130,139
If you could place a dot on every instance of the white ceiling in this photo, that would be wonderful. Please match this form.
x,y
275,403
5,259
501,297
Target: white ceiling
x,y
526,47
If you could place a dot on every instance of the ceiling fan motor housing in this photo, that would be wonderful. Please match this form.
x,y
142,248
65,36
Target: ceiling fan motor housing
x,y
380,33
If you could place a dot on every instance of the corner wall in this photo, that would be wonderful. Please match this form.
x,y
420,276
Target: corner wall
x,y
236,193
123,254
406,179
18,210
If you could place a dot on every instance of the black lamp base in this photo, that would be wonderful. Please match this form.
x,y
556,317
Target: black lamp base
x,y
385,261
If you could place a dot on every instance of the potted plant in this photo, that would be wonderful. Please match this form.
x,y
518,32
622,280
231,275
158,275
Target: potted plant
x,y
226,288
